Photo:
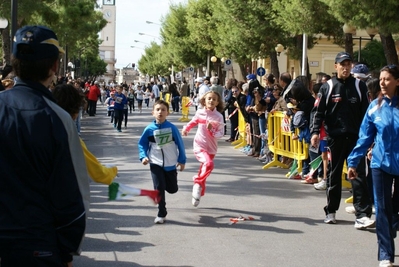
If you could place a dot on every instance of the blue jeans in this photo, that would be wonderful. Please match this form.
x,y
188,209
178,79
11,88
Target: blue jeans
x,y
386,207
77,121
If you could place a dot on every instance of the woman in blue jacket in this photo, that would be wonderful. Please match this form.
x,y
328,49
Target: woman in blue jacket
x,y
381,126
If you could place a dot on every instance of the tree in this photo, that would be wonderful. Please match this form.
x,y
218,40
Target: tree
x,y
364,14
372,55
61,16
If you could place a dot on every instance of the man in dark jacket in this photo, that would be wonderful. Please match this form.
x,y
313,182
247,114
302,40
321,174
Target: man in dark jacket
x,y
341,104
44,187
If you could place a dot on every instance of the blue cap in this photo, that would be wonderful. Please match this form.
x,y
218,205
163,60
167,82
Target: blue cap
x,y
360,68
42,41
251,76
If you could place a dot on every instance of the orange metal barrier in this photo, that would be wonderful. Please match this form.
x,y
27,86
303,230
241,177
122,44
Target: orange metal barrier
x,y
185,108
281,144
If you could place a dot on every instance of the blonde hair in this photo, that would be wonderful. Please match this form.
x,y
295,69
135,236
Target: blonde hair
x,y
7,83
219,107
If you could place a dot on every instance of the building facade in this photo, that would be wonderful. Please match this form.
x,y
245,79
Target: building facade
x,y
108,36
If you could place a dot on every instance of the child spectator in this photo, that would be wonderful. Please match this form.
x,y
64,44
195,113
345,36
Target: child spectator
x,y
161,145
71,100
210,128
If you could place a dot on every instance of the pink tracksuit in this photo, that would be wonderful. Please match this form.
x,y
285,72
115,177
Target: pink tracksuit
x,y
205,141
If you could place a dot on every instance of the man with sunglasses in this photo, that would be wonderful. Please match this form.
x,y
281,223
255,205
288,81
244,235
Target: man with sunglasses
x,y
341,104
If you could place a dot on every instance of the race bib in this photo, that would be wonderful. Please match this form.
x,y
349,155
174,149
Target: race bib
x,y
163,136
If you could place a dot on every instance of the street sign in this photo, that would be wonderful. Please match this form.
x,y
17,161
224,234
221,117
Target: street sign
x,y
261,71
191,70
228,65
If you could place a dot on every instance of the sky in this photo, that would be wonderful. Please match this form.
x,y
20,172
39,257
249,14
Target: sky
x,y
131,17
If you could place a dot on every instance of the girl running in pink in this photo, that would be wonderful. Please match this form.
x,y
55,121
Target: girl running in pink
x,y
210,128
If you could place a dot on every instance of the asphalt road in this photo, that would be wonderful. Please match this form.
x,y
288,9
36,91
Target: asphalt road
x,y
287,229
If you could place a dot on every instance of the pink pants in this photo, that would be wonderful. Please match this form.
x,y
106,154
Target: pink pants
x,y
205,169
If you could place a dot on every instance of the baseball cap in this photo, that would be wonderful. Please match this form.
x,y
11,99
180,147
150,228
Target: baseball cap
x,y
42,41
251,77
342,56
360,71
199,80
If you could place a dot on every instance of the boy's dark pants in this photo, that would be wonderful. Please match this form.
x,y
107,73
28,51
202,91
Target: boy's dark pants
x,y
163,181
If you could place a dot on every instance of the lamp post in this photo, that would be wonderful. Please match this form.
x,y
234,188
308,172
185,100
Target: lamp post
x,y
132,46
150,22
137,41
279,48
141,33
351,31
217,62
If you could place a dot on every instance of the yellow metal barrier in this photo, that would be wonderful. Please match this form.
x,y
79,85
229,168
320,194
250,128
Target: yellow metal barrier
x,y
281,144
242,138
185,108
167,99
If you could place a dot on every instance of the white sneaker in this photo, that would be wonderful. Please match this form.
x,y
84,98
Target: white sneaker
x,y
330,219
159,220
321,185
350,210
196,195
364,222
385,263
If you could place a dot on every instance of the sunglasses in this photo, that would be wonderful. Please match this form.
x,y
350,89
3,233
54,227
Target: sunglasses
x,y
234,91
390,67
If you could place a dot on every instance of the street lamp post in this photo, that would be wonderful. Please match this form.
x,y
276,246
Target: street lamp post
x,y
137,41
141,33
150,22
348,29
279,48
132,46
218,63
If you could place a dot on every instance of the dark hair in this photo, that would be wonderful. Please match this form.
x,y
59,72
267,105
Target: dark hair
x,y
304,80
69,98
316,88
37,70
239,85
161,102
277,87
394,71
373,88
286,77
299,91
270,78
326,77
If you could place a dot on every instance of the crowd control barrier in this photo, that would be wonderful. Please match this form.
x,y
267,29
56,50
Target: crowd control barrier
x,y
281,144
242,138
185,108
167,99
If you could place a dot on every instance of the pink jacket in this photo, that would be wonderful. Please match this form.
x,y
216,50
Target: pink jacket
x,y
206,140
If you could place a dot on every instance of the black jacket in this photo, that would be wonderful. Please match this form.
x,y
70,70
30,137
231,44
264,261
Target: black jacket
x,y
342,109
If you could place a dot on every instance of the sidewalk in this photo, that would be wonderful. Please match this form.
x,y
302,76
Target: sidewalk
x,y
288,229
